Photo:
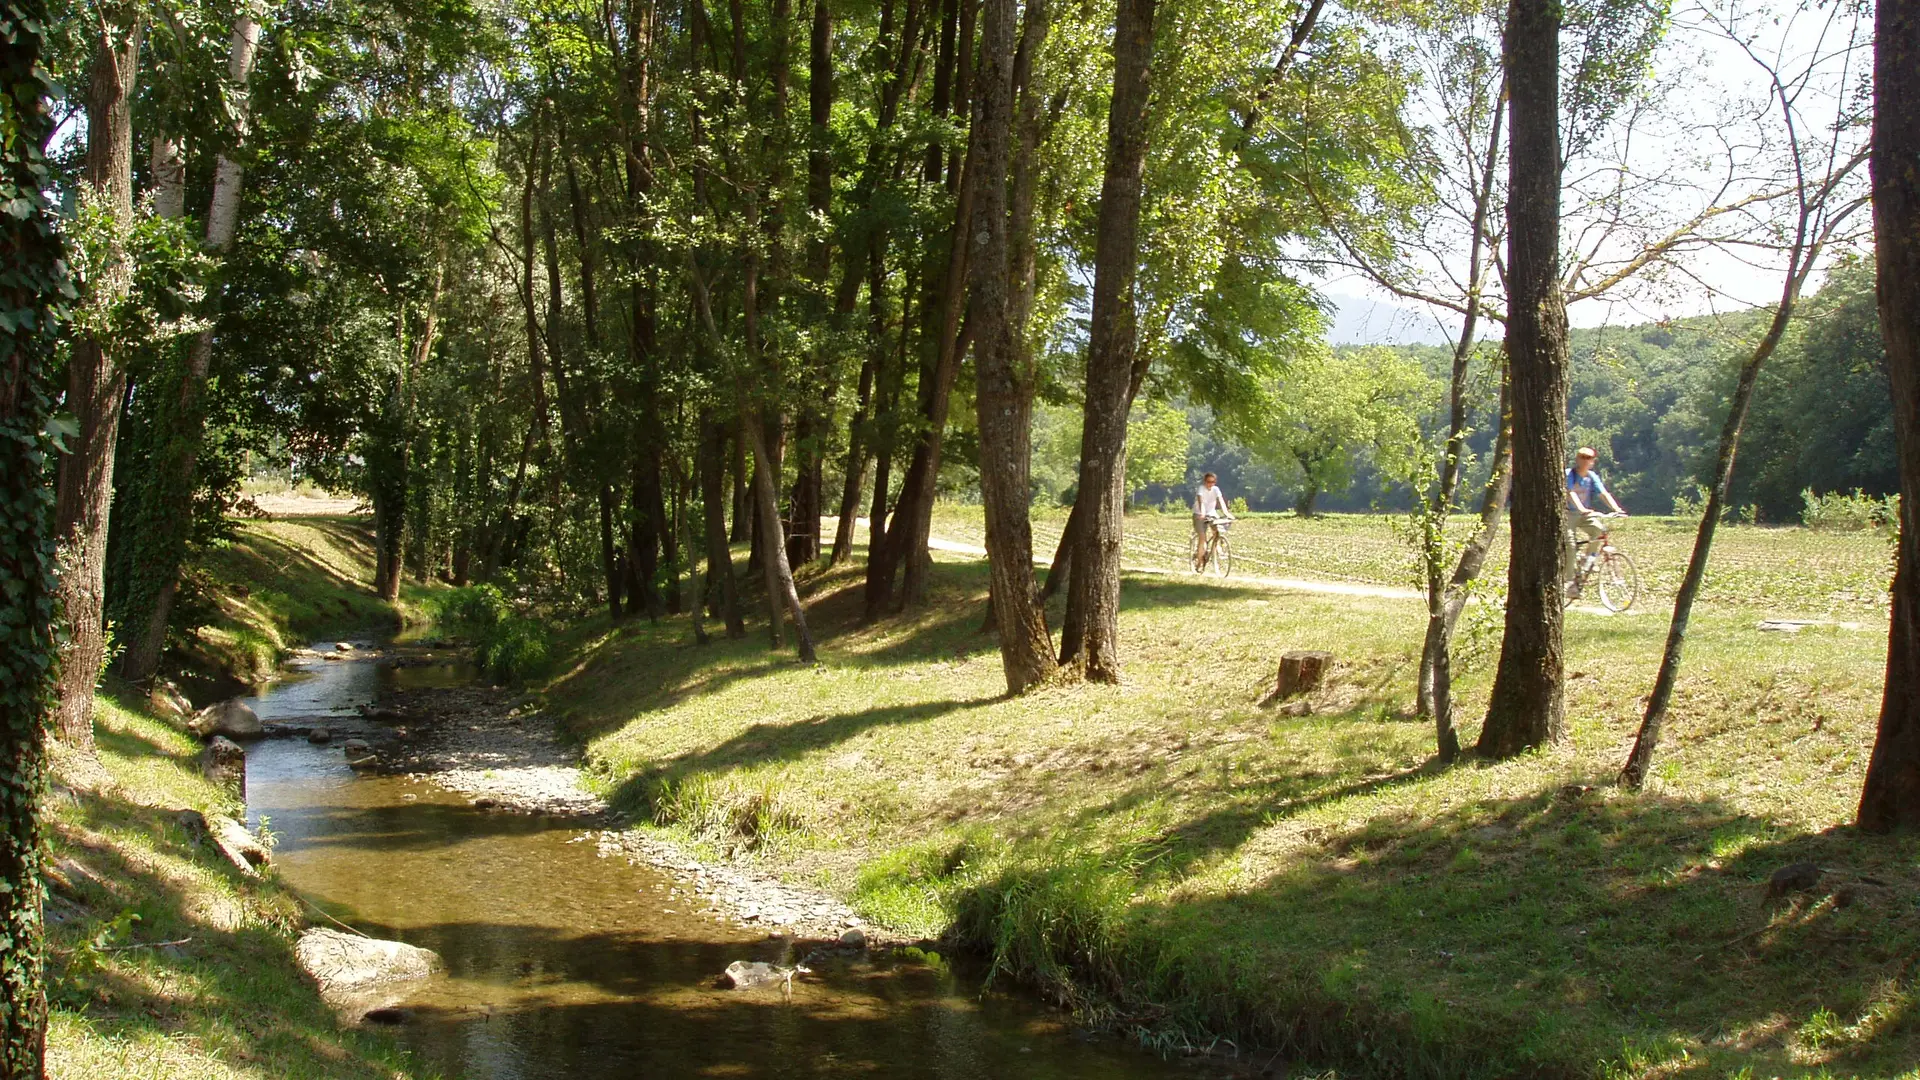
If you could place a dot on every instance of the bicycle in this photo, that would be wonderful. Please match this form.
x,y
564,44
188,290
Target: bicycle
x,y
1611,572
1215,555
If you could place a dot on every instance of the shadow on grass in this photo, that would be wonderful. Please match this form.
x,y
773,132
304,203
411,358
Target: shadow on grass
x,y
764,744
1538,935
947,627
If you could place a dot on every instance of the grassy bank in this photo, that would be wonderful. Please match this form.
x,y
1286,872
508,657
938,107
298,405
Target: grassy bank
x,y
166,964
281,583
1169,856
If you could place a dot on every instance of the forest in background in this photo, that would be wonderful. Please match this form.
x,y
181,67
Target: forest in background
x,y
1649,397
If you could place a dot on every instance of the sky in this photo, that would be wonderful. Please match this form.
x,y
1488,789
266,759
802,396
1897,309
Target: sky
x,y
1716,94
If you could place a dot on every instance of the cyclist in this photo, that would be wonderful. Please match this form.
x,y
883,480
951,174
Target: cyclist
x,y
1209,504
1585,525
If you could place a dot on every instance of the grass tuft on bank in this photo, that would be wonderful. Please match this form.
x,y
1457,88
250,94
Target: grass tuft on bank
x,y
167,964
1168,857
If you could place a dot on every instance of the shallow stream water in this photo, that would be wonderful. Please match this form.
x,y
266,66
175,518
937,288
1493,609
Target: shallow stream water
x,y
562,964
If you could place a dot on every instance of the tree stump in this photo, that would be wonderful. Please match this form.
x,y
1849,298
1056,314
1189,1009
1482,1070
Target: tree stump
x,y
1301,672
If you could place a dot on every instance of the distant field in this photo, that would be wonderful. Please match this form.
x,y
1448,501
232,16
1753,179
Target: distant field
x,y
1769,570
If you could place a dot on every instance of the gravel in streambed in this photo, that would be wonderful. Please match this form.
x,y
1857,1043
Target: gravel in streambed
x,y
489,745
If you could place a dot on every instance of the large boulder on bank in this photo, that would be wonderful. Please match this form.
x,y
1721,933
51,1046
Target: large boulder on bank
x,y
231,718
225,763
340,961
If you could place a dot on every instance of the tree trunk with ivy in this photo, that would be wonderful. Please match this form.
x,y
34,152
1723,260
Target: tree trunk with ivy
x,y
166,511
96,384
30,297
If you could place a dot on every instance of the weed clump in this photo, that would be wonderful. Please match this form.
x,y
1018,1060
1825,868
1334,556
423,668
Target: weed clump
x,y
714,809
1855,511
509,645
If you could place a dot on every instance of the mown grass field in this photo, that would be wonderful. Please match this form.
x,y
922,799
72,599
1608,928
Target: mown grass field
x,y
1169,857
165,963
1780,571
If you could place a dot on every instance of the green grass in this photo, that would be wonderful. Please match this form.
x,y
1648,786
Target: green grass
x,y
1777,571
282,583
1166,856
228,1003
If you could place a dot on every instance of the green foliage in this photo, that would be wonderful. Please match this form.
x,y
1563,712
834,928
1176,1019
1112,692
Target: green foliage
x,y
141,280
1822,413
1333,411
1849,512
1157,441
35,297
508,645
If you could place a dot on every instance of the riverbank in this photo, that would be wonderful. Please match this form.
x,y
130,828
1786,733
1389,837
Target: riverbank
x,y
1167,857
165,962
279,584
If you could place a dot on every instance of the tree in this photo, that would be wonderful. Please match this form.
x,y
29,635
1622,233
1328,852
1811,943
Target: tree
x,y
1004,392
96,377
1821,163
168,499
1158,437
1527,706
1091,643
33,294
1890,799
1331,411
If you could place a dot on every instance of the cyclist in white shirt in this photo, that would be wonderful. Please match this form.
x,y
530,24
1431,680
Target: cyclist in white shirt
x,y
1208,502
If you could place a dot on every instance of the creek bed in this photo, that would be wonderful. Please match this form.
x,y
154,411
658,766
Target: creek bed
x,y
560,963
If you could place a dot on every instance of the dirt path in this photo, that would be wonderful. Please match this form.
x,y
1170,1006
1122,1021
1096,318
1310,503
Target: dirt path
x,y
1285,584
291,505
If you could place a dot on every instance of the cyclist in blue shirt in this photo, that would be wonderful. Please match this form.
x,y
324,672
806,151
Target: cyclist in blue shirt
x,y
1585,524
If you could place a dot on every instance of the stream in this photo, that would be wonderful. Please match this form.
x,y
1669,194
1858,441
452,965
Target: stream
x,y
562,964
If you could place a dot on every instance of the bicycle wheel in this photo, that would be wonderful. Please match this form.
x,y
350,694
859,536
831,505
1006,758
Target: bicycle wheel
x,y
1619,581
1220,558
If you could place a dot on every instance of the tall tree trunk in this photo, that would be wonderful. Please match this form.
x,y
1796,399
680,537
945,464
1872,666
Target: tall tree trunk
x,y
1112,343
906,546
168,518
96,386
167,169
1004,394
30,250
742,506
780,587
616,585
813,423
1891,798
1528,705
720,577
855,476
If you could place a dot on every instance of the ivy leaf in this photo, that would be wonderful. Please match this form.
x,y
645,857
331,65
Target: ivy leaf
x,y
60,428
